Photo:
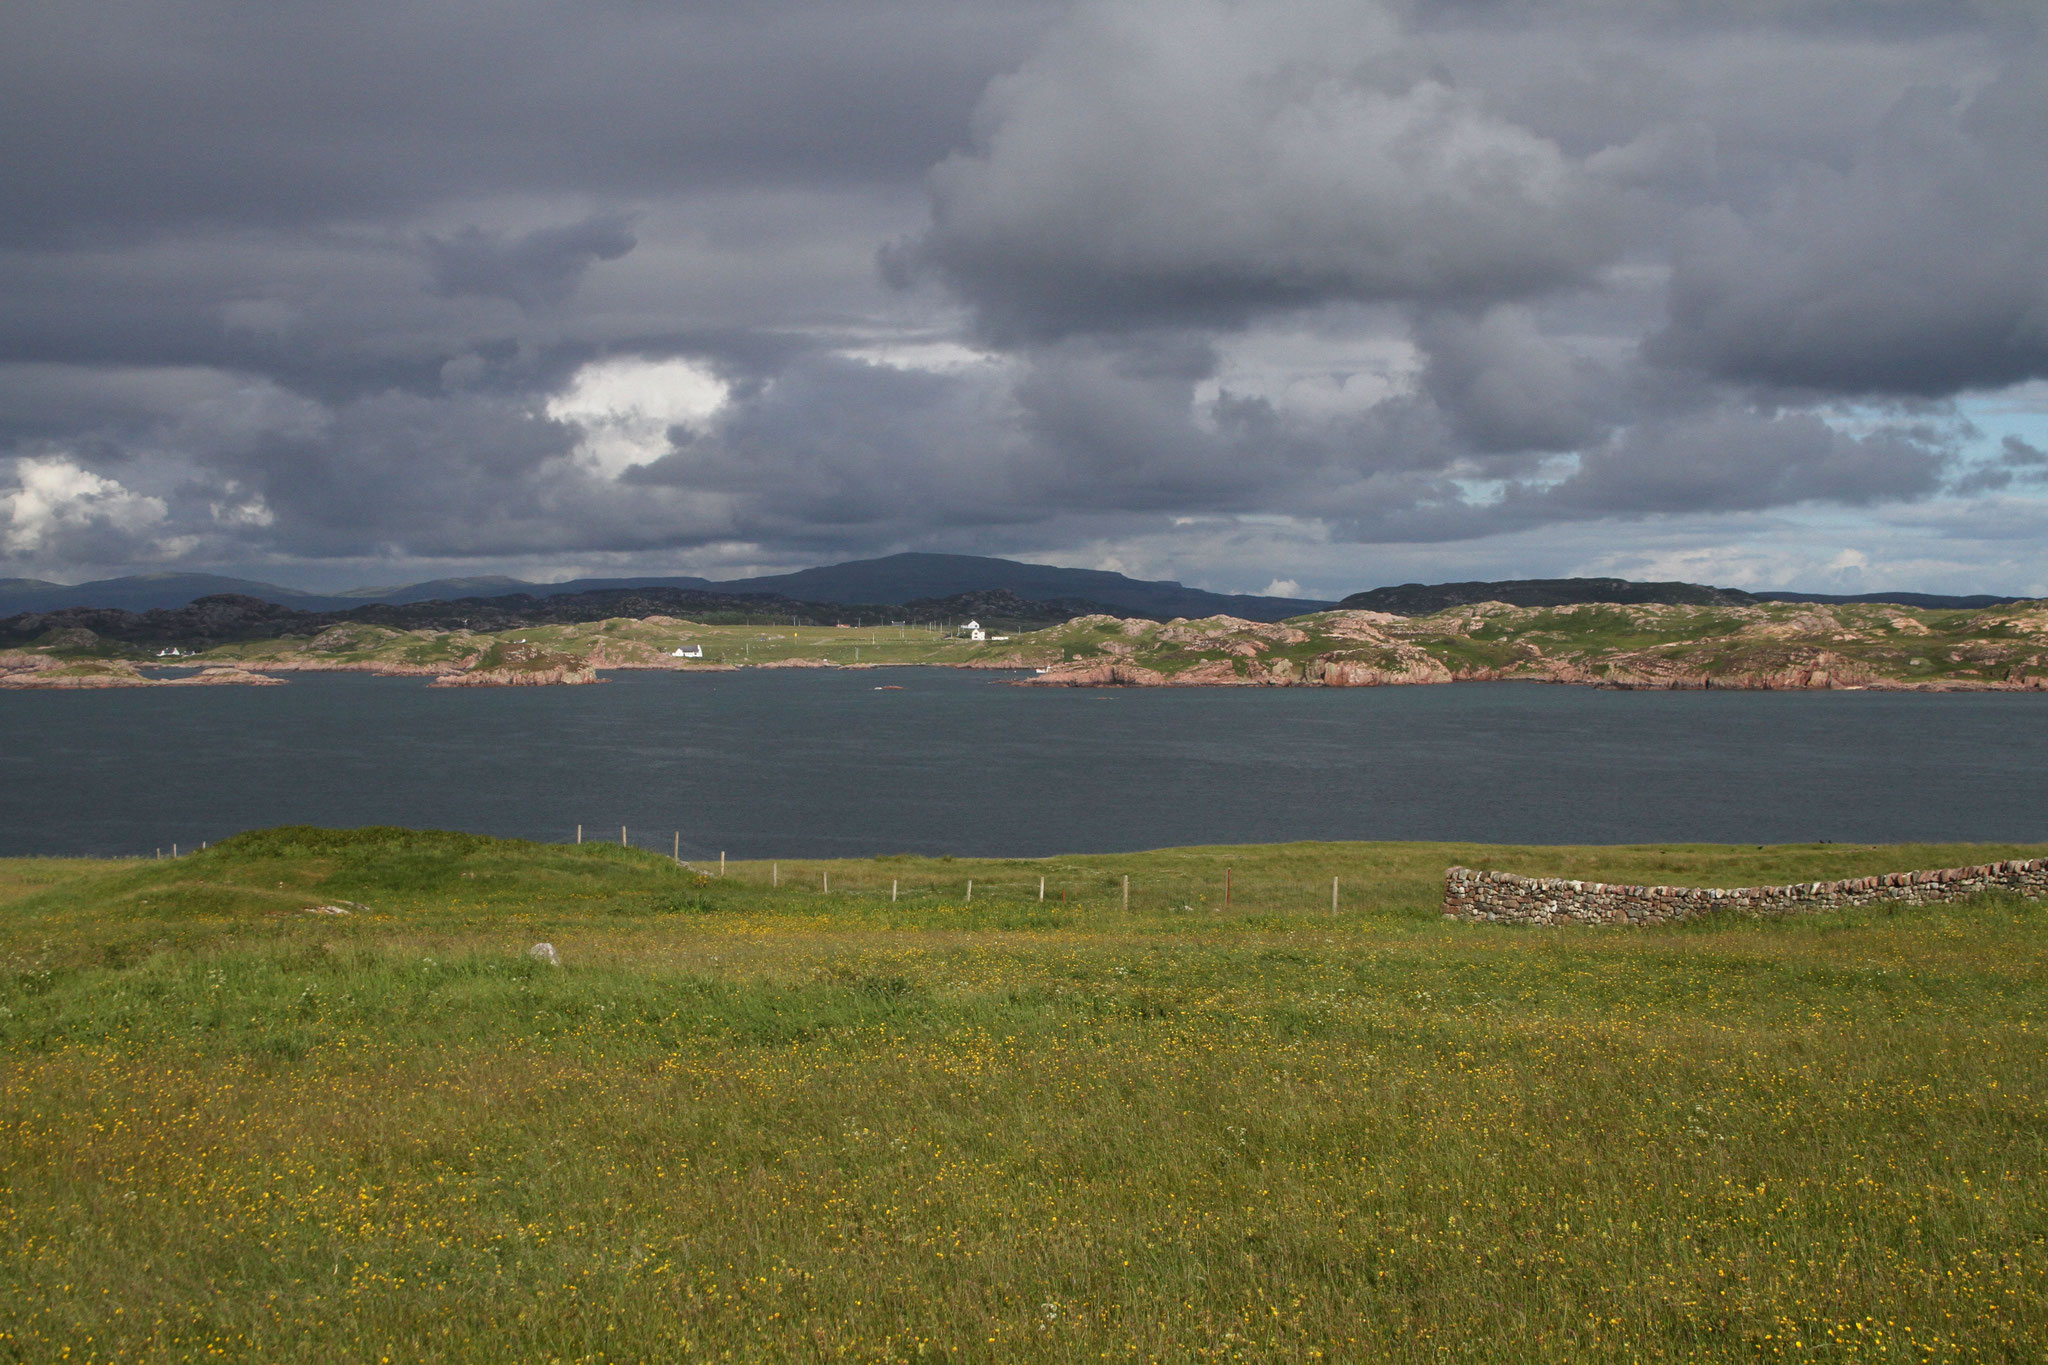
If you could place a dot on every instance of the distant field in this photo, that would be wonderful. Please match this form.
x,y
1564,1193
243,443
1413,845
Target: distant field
x,y
623,642
774,1122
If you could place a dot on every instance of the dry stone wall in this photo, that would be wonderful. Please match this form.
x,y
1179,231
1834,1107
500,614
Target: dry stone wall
x,y
1504,898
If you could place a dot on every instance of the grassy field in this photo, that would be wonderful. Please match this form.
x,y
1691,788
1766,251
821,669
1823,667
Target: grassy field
x,y
744,1121
620,641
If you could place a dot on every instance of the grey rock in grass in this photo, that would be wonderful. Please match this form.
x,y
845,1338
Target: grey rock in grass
x,y
545,952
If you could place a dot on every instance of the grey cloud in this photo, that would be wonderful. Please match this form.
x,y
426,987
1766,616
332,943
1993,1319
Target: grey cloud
x,y
1722,459
537,269
1506,387
1196,163
2018,462
2019,453
830,446
836,448
1921,268
1731,460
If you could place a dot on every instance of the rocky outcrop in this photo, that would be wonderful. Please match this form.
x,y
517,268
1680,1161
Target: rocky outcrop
x,y
223,676
1097,673
560,676
41,672
1404,670
1504,898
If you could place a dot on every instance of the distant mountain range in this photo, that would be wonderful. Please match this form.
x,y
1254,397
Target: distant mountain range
x,y
223,618
1033,591
892,581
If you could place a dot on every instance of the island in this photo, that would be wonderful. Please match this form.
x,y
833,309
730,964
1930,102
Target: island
x,y
1760,646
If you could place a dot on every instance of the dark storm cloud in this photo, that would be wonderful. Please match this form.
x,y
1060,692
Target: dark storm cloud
x,y
136,115
312,283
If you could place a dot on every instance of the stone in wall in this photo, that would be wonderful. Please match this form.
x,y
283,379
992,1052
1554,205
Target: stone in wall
x,y
1504,898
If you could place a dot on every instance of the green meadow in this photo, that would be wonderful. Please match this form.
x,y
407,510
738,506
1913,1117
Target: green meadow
x,y
749,1118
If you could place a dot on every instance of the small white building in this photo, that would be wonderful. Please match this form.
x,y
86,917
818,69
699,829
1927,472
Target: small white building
x,y
974,631
688,652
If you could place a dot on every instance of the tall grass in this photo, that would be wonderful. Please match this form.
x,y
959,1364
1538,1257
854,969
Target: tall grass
x,y
754,1123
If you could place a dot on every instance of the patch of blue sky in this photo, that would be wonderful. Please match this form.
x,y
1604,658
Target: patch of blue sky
x,y
2021,411
1481,491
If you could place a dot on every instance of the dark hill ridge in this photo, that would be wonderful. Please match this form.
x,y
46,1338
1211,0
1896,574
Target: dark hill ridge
x,y
1422,599
892,581
901,581
146,592
904,577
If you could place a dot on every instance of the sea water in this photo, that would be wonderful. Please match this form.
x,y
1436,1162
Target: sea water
x,y
841,762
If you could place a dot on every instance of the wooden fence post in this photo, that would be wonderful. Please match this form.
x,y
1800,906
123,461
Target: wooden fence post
x,y
622,836
1333,895
1041,889
1127,891
970,889
892,888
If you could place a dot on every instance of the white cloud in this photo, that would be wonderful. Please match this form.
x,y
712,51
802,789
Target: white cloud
x,y
933,357
1314,373
625,408
56,495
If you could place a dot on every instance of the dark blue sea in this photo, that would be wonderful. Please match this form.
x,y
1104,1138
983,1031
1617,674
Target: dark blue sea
x,y
815,763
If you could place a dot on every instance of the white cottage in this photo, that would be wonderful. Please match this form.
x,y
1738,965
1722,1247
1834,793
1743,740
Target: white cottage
x,y
975,631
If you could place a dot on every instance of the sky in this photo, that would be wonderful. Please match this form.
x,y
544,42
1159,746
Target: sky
x,y
1291,296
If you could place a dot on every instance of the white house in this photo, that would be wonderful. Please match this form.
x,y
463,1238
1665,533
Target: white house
x,y
688,652
974,631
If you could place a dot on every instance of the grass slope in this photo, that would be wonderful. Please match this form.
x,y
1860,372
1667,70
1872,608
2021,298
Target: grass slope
x,y
615,643
778,1123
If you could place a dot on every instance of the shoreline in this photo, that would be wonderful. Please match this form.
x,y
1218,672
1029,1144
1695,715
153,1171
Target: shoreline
x,y
47,676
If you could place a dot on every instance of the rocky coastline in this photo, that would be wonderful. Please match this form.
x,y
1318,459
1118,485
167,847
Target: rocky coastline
x,y
42,673
563,676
